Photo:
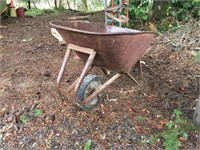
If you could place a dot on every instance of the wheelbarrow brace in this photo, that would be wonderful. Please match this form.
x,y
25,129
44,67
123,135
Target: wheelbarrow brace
x,y
88,66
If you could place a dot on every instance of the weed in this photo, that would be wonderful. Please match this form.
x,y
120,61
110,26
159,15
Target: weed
x,y
40,12
176,131
144,140
197,57
75,61
1,37
140,118
37,112
88,145
49,142
24,119
34,12
27,40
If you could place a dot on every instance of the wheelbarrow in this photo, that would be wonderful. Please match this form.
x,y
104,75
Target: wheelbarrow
x,y
108,47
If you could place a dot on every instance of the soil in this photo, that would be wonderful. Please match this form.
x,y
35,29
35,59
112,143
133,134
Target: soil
x,y
126,117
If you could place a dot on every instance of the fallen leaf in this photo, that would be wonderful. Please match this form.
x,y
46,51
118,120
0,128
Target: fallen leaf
x,y
145,110
182,139
158,116
132,110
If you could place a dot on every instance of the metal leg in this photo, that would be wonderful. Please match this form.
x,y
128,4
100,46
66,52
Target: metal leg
x,y
88,66
85,70
98,90
72,86
69,90
139,65
106,71
133,79
62,70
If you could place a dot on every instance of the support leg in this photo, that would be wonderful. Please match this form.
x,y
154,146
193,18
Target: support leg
x,y
106,71
69,90
133,79
62,70
139,65
98,90
85,70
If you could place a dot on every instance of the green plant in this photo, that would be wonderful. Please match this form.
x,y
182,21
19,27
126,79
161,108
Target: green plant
x,y
175,12
140,118
34,12
142,10
88,145
24,119
168,14
1,37
197,57
40,12
37,112
176,131
49,142
27,39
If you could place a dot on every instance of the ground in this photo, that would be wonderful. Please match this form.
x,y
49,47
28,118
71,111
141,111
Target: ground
x,y
127,116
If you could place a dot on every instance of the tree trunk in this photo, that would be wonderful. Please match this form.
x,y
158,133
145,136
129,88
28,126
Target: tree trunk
x,y
55,3
29,4
85,4
49,4
60,3
74,4
68,5
34,4
197,110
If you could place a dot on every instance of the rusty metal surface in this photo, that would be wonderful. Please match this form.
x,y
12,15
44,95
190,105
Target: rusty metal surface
x,y
118,49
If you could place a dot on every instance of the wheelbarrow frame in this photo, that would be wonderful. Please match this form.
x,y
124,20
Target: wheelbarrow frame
x,y
88,66
91,60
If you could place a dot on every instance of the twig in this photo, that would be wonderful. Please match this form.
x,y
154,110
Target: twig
x,y
79,17
186,37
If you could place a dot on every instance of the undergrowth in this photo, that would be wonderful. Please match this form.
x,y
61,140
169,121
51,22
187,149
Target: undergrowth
x,y
40,12
197,57
165,14
176,132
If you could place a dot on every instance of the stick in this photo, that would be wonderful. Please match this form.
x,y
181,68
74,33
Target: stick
x,y
78,17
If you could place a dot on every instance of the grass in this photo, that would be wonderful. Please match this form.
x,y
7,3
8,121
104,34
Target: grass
x,y
41,12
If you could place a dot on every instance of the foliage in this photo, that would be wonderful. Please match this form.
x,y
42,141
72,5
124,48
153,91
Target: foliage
x,y
37,112
24,119
168,13
140,118
142,9
89,5
81,5
34,12
27,39
197,57
176,131
40,12
88,145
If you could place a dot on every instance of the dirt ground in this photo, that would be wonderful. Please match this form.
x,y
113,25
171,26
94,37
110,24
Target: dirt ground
x,y
30,59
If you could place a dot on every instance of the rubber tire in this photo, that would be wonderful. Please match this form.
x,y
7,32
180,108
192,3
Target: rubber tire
x,y
81,91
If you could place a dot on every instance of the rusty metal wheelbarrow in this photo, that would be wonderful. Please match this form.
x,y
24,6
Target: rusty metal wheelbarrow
x,y
108,47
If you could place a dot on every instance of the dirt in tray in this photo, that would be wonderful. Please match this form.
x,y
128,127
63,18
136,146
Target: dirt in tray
x,y
33,116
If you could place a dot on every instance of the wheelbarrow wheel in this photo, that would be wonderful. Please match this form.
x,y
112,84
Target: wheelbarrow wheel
x,y
89,85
